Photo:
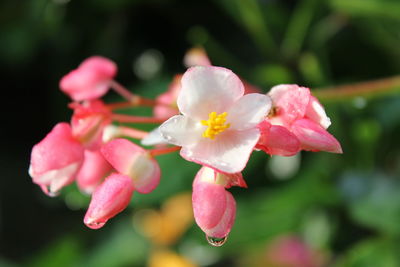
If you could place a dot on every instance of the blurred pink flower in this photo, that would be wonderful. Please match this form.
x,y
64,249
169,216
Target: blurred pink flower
x,y
290,251
218,125
90,80
110,198
56,159
133,161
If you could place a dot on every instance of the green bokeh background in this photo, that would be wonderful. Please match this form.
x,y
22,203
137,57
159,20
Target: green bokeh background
x,y
347,206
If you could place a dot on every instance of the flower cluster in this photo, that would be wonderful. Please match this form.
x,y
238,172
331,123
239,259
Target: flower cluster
x,y
208,113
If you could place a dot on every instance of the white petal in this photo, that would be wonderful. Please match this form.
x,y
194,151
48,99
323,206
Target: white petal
x,y
154,138
316,112
181,130
228,152
206,89
249,111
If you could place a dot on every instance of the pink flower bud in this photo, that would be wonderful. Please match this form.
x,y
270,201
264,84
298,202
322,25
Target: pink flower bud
x,y
214,208
94,169
56,159
277,140
314,137
110,198
90,80
133,161
88,122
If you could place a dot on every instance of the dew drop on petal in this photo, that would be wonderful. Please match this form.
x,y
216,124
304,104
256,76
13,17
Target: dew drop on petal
x,y
215,241
96,225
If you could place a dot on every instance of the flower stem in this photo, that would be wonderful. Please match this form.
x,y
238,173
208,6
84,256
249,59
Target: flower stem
x,y
365,89
135,119
125,93
131,132
163,151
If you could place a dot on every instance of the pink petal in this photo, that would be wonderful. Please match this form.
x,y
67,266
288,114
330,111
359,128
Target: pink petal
x,y
277,140
208,89
182,131
56,159
94,169
109,199
224,226
314,137
209,201
90,80
290,101
316,112
248,111
228,152
104,67
133,161
52,181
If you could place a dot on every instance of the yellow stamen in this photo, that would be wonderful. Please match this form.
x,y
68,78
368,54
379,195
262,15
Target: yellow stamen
x,y
216,124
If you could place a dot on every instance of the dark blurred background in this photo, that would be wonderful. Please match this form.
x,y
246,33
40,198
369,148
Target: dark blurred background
x,y
337,210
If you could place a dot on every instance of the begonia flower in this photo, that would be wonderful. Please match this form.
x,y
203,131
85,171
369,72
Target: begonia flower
x,y
56,159
88,122
133,161
90,80
295,109
110,198
218,125
214,208
93,171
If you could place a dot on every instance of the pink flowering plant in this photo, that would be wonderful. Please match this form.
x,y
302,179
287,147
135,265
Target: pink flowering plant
x,y
208,114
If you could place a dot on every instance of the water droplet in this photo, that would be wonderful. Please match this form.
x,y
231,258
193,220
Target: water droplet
x,y
216,241
95,225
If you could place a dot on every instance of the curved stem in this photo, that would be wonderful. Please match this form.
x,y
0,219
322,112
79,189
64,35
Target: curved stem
x,y
131,132
163,151
125,93
135,119
364,89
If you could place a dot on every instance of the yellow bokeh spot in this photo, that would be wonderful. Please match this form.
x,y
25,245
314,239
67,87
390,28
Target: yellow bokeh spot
x,y
216,124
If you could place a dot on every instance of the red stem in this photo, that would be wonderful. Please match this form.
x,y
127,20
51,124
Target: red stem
x,y
135,119
163,151
133,133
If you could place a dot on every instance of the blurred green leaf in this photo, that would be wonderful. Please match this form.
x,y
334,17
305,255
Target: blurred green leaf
x,y
373,201
368,8
64,252
372,253
118,246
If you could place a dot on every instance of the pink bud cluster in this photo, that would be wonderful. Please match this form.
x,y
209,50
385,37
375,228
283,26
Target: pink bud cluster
x,y
208,113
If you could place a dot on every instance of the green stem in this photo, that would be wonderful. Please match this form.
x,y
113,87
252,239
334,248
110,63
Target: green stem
x,y
367,89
